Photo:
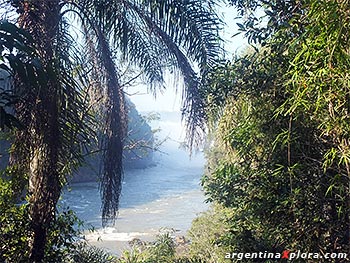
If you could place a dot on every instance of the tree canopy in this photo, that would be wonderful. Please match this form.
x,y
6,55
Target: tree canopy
x,y
279,116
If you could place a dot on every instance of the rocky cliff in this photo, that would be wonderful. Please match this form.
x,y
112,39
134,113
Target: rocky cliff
x,y
138,149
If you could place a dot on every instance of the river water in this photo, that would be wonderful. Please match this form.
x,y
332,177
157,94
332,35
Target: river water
x,y
167,195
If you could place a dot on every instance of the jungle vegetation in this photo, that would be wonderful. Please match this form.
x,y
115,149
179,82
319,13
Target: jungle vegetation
x,y
276,119
279,164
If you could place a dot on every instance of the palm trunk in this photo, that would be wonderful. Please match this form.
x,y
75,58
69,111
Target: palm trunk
x,y
40,18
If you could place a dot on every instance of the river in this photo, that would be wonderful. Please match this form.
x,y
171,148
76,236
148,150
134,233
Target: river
x,y
167,195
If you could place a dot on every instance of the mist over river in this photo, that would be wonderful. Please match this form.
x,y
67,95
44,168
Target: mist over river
x,y
167,195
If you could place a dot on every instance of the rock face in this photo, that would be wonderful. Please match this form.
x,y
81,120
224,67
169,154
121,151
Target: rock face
x,y
138,152
138,149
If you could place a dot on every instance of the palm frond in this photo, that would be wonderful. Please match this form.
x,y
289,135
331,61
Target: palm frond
x,y
154,35
140,47
76,123
193,103
192,25
114,134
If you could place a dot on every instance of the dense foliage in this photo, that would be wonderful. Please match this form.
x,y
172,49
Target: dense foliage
x,y
280,114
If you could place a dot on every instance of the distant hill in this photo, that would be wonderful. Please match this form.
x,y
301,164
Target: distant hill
x,y
138,149
138,152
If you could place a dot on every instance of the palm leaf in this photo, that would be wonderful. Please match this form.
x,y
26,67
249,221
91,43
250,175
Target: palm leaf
x,y
154,35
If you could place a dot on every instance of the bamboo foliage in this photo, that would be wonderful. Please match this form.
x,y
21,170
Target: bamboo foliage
x,y
280,117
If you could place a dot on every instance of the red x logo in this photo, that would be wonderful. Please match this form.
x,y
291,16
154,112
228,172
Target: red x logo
x,y
285,254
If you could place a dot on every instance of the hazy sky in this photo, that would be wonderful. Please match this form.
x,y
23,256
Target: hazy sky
x,y
169,100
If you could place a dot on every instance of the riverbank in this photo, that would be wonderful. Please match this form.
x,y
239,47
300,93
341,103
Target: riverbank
x,y
165,196
116,243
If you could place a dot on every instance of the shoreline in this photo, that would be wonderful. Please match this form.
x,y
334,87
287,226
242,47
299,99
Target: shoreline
x,y
116,243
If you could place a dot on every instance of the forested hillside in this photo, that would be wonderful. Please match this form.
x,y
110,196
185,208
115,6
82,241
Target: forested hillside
x,y
138,149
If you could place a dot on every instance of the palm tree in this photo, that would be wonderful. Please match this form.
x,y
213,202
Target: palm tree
x,y
155,35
